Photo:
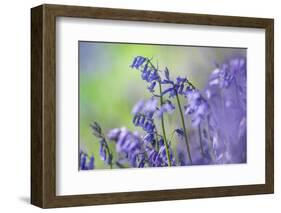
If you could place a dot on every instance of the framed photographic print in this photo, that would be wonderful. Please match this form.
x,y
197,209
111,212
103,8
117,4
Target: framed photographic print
x,y
135,106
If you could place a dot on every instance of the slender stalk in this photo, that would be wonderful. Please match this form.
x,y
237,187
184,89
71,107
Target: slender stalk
x,y
184,129
163,129
110,154
162,118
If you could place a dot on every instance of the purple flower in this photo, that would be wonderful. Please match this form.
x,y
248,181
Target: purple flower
x,y
153,158
163,155
146,108
171,91
152,86
91,164
223,75
180,132
198,157
178,87
167,107
104,152
86,163
149,72
197,107
113,134
150,106
146,123
141,161
143,114
148,138
159,158
226,96
138,62
129,145
138,107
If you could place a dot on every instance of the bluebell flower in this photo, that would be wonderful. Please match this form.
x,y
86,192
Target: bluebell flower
x,y
152,86
104,152
150,107
197,107
86,163
197,157
143,114
153,76
226,96
91,164
149,138
171,91
138,107
146,123
146,108
162,154
141,163
180,132
113,134
181,158
149,73
130,145
154,158
178,87
138,62
167,107
82,160
159,158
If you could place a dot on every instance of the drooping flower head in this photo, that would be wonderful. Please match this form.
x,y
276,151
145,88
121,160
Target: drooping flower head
x,y
178,87
149,72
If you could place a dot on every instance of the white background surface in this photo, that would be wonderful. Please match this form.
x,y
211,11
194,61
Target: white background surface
x,y
70,31
15,106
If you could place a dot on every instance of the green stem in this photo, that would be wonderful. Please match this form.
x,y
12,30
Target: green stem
x,y
163,128
162,118
184,129
110,154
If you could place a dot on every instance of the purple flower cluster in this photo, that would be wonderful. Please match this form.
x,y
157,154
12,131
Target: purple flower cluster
x,y
226,95
217,115
128,146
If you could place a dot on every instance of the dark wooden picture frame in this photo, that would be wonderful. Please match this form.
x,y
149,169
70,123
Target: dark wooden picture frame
x,y
43,105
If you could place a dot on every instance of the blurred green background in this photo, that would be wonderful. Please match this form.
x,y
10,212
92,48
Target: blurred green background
x,y
109,88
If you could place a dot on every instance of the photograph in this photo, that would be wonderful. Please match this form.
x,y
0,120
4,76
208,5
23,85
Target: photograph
x,y
160,105
143,105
